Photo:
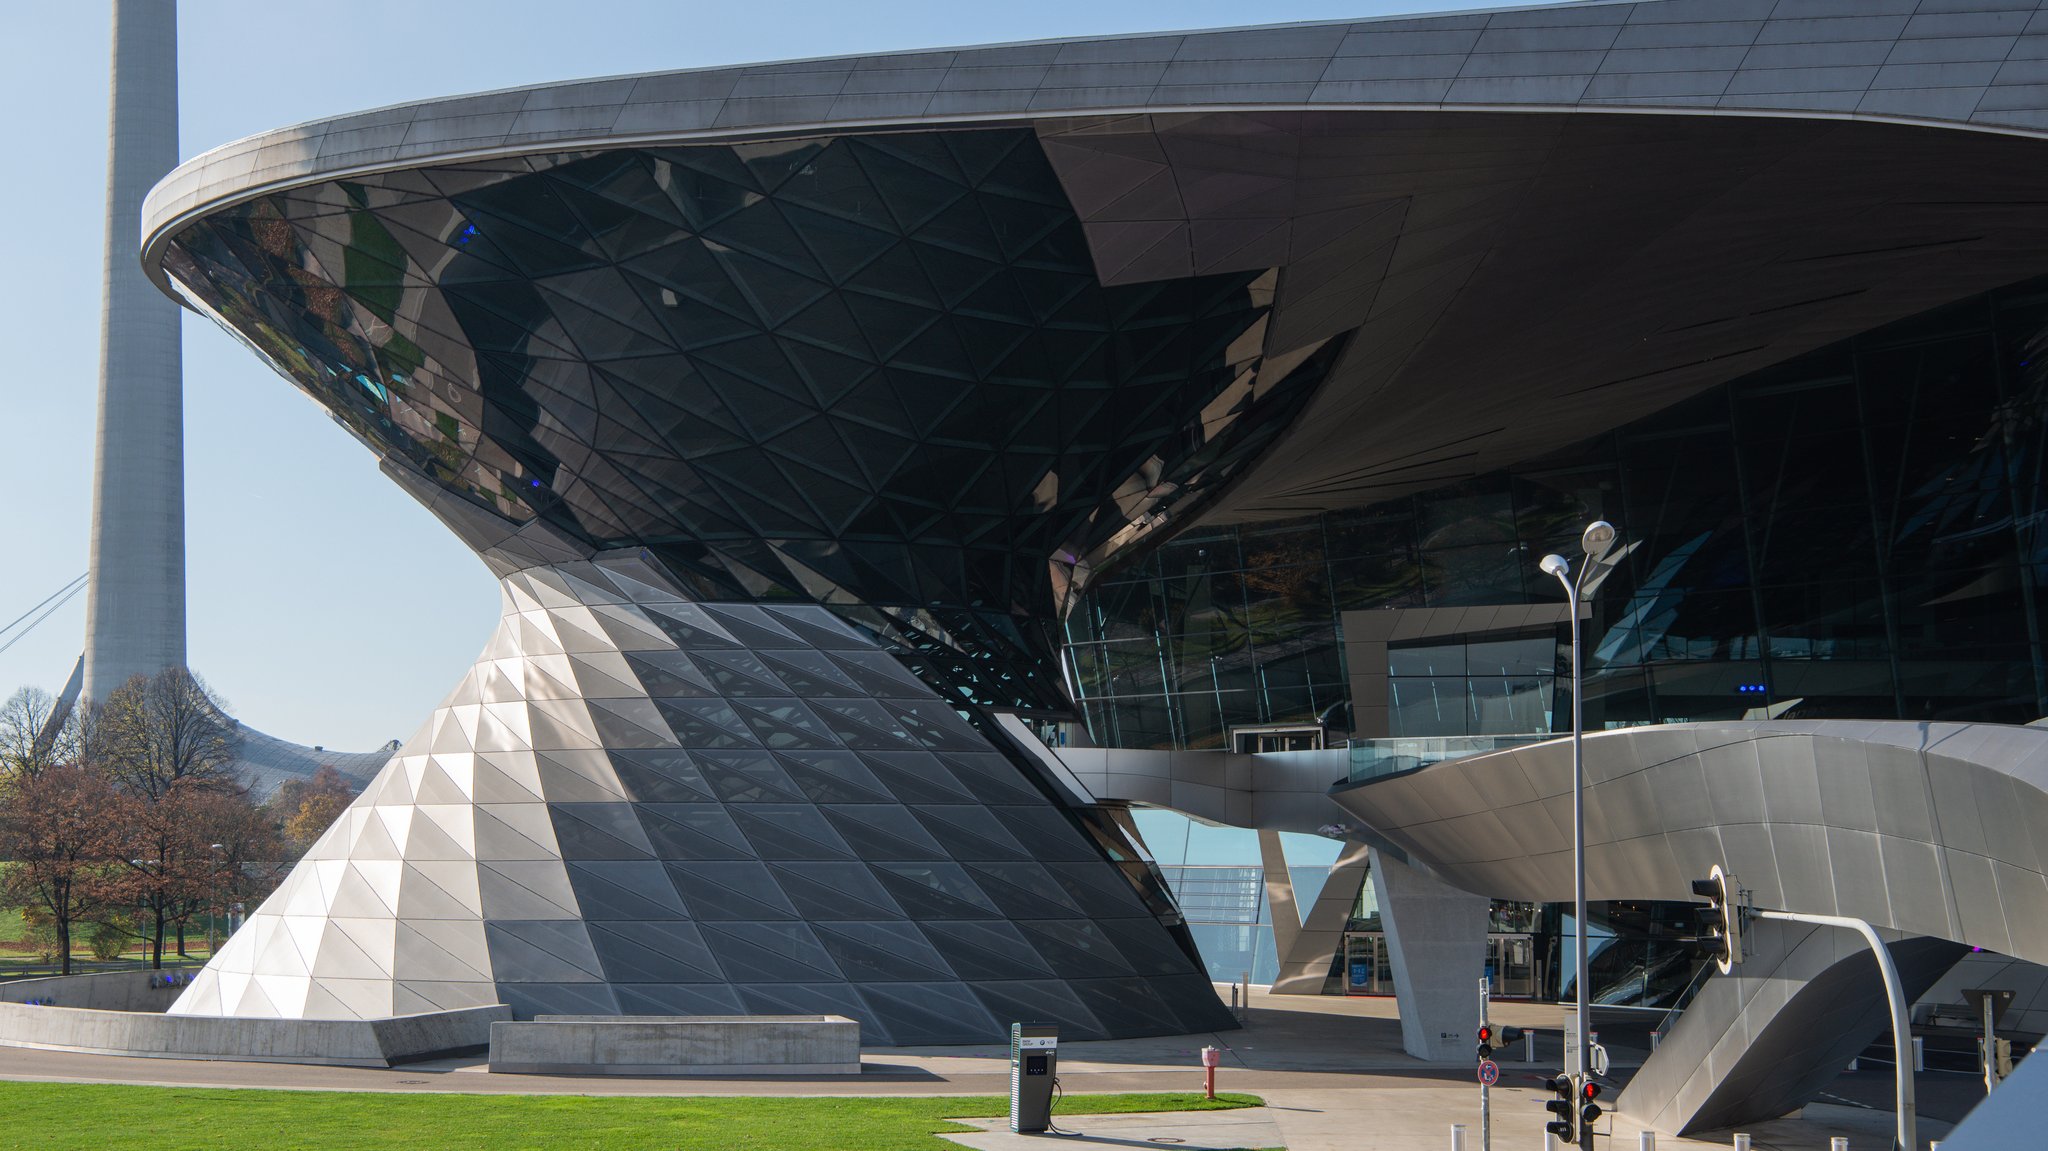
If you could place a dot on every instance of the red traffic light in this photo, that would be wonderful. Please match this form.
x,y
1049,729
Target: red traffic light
x,y
1592,1090
1485,1034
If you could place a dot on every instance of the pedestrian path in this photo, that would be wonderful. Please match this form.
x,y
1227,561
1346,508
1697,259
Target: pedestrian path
x,y
1250,1129
1419,1118
1331,1070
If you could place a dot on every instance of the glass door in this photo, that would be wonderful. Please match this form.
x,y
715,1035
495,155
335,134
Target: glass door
x,y
1514,966
1367,968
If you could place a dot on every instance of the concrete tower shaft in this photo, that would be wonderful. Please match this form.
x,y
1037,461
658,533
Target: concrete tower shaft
x,y
135,606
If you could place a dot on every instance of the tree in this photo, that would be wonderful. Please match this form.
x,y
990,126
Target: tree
x,y
57,828
304,808
167,743
182,850
28,745
236,837
154,732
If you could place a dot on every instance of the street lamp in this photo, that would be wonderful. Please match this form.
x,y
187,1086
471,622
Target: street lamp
x,y
1595,542
213,902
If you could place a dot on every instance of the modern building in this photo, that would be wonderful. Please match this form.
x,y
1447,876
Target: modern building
x,y
1205,400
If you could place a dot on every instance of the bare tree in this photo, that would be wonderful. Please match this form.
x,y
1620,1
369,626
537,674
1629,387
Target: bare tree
x,y
155,732
28,744
57,829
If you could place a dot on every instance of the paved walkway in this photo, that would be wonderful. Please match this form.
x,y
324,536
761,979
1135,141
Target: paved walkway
x,y
1247,1130
1331,1070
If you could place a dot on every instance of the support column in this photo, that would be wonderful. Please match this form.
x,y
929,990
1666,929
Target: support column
x,y
1279,895
1305,956
1436,945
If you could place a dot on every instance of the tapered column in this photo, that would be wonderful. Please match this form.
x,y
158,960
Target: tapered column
x,y
135,604
1436,945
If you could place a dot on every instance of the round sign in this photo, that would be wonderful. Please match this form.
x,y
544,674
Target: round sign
x,y
1489,1072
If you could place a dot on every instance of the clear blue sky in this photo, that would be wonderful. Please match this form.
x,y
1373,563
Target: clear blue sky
x,y
326,606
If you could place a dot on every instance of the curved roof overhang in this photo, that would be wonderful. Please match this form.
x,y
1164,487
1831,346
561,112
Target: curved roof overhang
x,y
1925,828
1542,222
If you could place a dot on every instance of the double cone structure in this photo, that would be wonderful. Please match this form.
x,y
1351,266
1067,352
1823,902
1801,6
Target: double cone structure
x,y
637,804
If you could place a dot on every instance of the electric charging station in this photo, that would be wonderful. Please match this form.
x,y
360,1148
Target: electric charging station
x,y
1034,1062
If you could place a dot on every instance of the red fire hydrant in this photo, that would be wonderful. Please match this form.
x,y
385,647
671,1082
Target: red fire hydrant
x,y
1212,1058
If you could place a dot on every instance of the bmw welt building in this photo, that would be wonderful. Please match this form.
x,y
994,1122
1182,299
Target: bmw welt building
x,y
1203,403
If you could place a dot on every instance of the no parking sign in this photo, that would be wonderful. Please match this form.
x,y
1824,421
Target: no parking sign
x,y
1489,1073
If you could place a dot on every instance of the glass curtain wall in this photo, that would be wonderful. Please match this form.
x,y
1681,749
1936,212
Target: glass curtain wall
x,y
1854,533
1217,877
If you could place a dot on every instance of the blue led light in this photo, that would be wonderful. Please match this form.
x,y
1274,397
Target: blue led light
x,y
1750,688
466,234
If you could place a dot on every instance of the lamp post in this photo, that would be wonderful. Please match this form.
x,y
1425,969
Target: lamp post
x,y
213,900
1596,540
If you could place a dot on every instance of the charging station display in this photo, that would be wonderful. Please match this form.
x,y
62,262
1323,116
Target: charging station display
x,y
1034,1064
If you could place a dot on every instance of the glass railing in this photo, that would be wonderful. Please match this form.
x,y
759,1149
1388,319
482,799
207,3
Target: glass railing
x,y
1373,758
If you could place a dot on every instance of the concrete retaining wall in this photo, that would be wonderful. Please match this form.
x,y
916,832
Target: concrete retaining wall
x,y
145,991
121,1013
678,1045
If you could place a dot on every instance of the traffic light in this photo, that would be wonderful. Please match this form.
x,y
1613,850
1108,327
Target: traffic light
x,y
1589,1111
1564,1111
1721,919
1492,1038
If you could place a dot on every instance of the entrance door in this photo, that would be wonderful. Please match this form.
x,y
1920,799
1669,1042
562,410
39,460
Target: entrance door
x,y
1513,966
1367,968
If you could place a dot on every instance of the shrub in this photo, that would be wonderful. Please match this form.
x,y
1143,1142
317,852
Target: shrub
x,y
39,932
108,940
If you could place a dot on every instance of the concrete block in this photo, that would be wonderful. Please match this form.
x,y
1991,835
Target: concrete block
x,y
677,1045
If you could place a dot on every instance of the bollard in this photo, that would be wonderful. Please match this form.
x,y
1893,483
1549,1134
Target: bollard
x,y
1211,1059
1646,1141
1919,1053
1853,1063
1656,1037
1529,1045
1838,1143
1457,1137
1741,1142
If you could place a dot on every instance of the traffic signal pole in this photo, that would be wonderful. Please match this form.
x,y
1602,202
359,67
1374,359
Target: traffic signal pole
x,y
1485,1084
1902,1026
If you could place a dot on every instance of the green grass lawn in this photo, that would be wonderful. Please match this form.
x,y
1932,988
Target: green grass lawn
x,y
88,1117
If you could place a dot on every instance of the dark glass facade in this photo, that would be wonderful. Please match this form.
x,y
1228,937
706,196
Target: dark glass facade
x,y
1855,533
876,372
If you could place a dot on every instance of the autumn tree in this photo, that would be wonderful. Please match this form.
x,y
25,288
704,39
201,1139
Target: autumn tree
x,y
183,851
57,827
245,852
168,745
305,808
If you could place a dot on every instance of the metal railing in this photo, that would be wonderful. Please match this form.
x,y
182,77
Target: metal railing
x,y
1374,758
